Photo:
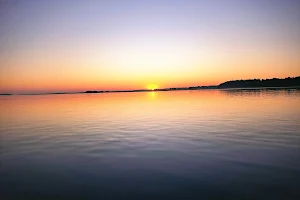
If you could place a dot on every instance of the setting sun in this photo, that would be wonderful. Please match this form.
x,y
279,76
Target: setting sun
x,y
152,86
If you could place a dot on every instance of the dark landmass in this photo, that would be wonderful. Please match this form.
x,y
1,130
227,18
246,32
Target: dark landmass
x,y
255,83
93,91
203,87
57,93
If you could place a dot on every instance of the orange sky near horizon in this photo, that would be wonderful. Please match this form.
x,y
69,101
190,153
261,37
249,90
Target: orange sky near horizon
x,y
77,74
72,47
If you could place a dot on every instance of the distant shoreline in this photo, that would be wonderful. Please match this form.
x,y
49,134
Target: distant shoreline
x,y
188,89
235,84
163,90
251,84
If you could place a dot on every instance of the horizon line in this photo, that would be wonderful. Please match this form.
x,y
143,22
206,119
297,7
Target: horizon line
x,y
161,89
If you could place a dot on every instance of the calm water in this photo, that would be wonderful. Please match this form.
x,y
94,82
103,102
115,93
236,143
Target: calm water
x,y
210,144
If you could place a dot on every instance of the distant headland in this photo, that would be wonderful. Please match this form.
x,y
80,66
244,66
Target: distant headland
x,y
249,83
255,83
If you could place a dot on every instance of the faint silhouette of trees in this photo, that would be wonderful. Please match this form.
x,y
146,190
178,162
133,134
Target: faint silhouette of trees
x,y
274,82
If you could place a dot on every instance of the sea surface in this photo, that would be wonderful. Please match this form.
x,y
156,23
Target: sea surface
x,y
204,144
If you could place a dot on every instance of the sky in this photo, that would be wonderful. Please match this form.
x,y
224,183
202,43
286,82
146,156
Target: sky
x,y
78,45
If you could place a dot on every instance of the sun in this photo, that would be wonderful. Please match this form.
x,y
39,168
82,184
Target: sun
x,y
152,86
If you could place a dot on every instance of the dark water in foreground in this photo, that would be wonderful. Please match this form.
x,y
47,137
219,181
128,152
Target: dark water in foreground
x,y
235,144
